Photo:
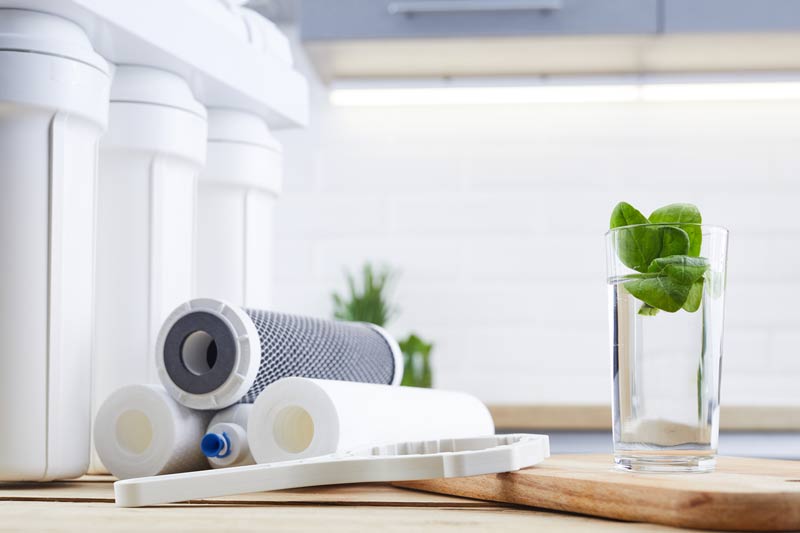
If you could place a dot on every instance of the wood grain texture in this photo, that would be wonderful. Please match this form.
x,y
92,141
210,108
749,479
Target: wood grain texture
x,y
85,517
741,495
100,489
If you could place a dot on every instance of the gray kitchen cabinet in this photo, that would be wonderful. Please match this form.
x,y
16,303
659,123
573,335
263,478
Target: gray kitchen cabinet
x,y
407,19
355,39
730,16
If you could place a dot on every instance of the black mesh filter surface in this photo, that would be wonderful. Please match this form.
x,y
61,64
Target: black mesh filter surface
x,y
316,348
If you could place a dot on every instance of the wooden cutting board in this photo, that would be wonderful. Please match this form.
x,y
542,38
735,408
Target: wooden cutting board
x,y
741,495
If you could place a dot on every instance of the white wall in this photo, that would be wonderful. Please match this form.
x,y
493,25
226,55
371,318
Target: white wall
x,y
495,217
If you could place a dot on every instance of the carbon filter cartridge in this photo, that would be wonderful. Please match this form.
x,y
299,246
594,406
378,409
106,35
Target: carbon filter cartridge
x,y
210,355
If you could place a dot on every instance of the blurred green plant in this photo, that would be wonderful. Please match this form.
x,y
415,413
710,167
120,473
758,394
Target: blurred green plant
x,y
366,300
417,362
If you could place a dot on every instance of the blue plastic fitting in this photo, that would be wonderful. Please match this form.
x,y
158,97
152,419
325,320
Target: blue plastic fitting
x,y
213,443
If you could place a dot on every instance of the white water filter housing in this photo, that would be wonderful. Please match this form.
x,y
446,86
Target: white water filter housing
x,y
237,191
53,109
149,161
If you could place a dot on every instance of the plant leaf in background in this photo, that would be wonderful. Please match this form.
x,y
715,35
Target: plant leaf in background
x,y
417,371
367,301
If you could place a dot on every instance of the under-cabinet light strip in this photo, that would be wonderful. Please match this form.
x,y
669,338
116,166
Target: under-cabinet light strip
x,y
542,94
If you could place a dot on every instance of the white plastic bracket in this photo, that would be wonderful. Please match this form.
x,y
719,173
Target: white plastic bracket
x,y
404,461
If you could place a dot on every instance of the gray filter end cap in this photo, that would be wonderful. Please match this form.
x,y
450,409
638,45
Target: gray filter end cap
x,y
195,372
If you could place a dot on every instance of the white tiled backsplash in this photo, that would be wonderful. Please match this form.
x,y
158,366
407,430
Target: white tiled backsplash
x,y
495,215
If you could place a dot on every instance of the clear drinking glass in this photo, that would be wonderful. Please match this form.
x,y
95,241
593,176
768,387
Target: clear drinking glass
x,y
666,365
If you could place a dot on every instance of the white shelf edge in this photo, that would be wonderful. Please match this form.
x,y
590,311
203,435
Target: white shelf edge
x,y
222,70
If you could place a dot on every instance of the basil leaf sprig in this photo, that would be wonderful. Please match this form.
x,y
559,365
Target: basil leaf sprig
x,y
665,250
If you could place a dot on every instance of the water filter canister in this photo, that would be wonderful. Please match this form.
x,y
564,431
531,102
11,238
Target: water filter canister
x,y
236,196
211,355
225,443
147,187
141,431
53,109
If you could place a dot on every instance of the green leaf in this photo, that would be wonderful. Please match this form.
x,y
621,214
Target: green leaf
x,y
681,268
637,246
417,367
687,214
668,283
367,301
674,241
695,297
624,214
661,292
665,250
648,310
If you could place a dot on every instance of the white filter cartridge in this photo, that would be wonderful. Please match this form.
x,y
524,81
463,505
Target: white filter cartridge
x,y
225,442
295,418
141,431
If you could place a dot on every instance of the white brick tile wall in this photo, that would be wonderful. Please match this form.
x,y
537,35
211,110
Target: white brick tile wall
x,y
417,259
301,215
785,353
303,298
779,388
494,217
759,257
747,351
521,304
531,388
473,213
547,257
386,169
301,268
769,303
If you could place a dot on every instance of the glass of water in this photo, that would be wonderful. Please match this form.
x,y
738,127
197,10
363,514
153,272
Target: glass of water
x,y
666,363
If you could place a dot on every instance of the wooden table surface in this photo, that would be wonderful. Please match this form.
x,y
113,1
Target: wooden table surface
x,y
88,505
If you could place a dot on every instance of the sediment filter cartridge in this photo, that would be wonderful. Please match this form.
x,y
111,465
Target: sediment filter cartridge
x,y
141,431
211,354
295,418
